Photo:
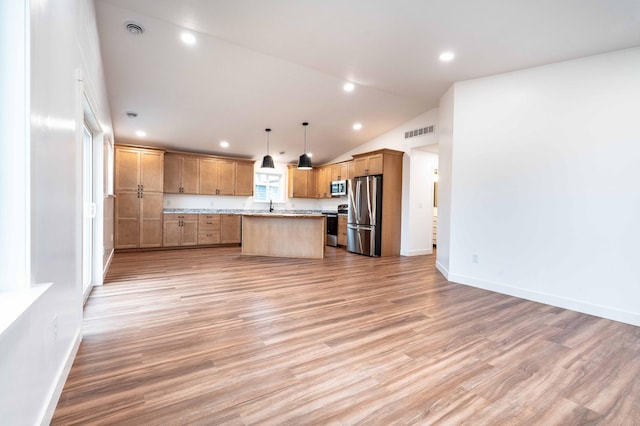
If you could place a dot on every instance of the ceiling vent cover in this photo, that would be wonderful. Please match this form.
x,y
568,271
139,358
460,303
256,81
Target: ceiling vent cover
x,y
418,132
134,27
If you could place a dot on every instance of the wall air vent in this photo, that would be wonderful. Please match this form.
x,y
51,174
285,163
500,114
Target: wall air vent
x,y
134,27
418,132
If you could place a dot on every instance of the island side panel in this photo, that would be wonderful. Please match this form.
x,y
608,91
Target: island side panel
x,y
278,236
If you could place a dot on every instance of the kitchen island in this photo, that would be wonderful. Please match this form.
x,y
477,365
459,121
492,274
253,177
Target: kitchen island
x,y
284,235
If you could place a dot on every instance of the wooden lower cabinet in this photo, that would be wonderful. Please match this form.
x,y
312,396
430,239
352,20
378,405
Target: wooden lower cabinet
x,y
219,229
208,229
230,229
342,229
138,219
180,230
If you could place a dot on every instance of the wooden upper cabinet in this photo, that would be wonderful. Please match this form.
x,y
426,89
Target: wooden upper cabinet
x,y
138,169
339,171
350,171
244,178
301,183
364,165
217,176
180,174
226,177
323,183
208,179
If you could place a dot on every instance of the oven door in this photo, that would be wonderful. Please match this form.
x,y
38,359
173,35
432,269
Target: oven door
x,y
332,229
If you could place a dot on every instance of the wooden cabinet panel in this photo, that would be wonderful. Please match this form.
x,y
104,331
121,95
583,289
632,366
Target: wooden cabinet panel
x,y
360,166
151,216
127,220
350,171
138,204
323,184
368,165
244,179
230,228
375,164
190,231
208,178
180,174
342,230
127,169
301,183
152,170
339,171
226,177
180,230
190,175
217,176
208,229
138,169
172,181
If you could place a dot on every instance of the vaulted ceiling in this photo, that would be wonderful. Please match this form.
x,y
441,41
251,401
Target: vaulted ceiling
x,y
258,64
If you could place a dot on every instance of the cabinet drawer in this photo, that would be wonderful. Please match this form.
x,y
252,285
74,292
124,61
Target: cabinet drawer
x,y
208,237
176,216
209,222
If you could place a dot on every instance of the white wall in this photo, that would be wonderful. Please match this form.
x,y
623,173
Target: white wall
x,y
445,161
545,184
37,350
417,197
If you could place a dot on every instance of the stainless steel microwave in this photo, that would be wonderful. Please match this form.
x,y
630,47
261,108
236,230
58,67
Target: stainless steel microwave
x,y
338,188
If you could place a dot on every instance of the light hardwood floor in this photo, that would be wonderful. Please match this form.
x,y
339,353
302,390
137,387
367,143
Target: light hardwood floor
x,y
207,336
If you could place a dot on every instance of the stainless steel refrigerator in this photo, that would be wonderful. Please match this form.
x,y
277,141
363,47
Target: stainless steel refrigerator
x,y
365,213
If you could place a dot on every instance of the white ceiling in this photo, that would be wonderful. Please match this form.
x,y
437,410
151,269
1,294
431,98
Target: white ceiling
x,y
277,63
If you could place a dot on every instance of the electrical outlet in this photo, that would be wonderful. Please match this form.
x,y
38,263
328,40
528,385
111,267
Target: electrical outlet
x,y
474,258
168,203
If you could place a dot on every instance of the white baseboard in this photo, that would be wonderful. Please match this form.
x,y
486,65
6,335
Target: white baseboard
x,y
444,271
56,391
417,252
106,266
607,312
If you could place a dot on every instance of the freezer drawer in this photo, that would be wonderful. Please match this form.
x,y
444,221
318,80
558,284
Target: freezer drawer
x,y
362,240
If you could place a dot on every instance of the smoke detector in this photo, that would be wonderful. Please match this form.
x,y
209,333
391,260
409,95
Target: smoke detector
x,y
134,27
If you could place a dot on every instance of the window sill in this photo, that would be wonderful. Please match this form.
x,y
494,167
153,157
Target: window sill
x,y
15,303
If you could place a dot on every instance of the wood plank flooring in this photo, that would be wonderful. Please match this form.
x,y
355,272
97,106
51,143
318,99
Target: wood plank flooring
x,y
207,336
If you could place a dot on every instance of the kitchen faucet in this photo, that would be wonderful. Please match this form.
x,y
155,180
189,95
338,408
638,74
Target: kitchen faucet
x,y
270,206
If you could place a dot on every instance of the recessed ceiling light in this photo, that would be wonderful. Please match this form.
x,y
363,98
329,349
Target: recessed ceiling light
x,y
348,87
309,154
188,39
141,133
357,126
224,144
447,56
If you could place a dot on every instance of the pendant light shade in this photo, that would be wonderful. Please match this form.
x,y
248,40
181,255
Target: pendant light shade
x,y
267,160
304,163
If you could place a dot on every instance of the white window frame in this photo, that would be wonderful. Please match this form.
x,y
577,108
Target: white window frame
x,y
280,186
17,293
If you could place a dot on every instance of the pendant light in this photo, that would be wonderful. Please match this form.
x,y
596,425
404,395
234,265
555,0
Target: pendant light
x,y
267,160
304,163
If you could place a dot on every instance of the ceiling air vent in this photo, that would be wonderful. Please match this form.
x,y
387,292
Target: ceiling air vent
x,y
418,132
134,27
